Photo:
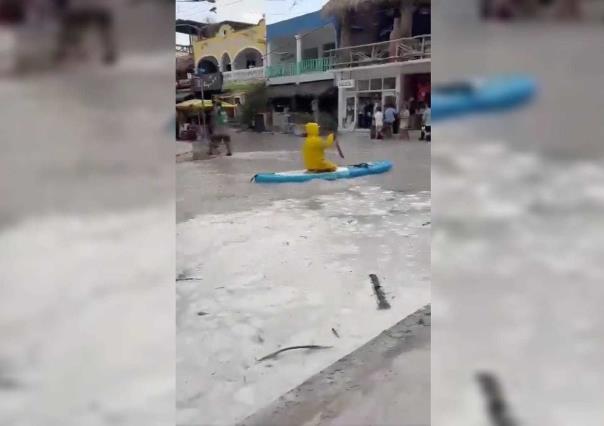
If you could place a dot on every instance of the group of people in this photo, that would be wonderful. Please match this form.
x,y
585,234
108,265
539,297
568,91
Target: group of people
x,y
391,121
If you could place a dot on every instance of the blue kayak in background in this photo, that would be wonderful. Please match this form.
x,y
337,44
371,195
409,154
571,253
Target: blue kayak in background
x,y
481,95
343,172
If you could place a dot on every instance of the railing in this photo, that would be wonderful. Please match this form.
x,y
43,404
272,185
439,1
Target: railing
x,y
282,70
314,65
243,75
303,67
184,49
400,50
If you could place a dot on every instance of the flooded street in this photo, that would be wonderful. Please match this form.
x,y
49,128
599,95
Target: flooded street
x,y
264,267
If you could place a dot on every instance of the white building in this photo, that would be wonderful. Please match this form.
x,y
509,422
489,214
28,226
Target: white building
x,y
299,69
383,57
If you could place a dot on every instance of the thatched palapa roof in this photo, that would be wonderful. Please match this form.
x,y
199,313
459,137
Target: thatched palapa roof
x,y
335,7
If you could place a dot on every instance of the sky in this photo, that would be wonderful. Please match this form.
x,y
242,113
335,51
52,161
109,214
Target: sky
x,y
244,11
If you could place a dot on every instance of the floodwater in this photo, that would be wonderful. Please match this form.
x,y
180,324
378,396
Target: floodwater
x,y
269,266
226,181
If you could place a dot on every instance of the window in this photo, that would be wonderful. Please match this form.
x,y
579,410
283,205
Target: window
x,y
312,53
363,84
326,47
376,84
390,83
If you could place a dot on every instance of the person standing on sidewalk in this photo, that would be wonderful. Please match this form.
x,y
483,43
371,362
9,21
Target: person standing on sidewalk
x,y
219,132
427,119
378,119
389,119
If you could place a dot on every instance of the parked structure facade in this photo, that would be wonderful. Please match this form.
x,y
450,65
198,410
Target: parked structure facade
x,y
298,71
382,58
235,49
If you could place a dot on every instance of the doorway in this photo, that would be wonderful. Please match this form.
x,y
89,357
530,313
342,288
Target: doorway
x,y
351,108
366,104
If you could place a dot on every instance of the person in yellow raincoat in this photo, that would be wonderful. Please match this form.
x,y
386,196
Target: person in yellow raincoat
x,y
313,150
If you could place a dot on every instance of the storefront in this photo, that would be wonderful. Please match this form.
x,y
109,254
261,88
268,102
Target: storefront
x,y
361,97
361,90
417,86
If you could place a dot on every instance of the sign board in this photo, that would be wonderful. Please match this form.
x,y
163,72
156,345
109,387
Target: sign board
x,y
347,84
210,82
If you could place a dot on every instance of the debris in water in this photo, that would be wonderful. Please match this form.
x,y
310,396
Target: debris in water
x,y
379,293
426,223
189,279
497,407
333,330
274,354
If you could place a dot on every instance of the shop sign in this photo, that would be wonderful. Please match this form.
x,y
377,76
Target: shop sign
x,y
210,82
346,84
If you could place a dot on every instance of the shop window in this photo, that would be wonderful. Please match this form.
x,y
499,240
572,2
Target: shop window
x,y
363,84
376,84
390,83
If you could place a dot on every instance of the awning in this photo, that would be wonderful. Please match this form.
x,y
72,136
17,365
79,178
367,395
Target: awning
x,y
198,104
315,88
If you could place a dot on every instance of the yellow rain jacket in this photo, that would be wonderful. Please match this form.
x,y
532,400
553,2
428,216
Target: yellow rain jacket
x,y
313,150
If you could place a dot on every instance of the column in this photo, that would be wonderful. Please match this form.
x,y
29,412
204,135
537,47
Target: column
x,y
341,104
298,48
269,49
345,34
298,56
406,18
400,90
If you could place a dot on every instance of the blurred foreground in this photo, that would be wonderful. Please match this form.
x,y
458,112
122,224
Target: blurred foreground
x,y
86,232
519,226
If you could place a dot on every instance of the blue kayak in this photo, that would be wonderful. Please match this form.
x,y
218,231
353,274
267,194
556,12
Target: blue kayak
x,y
344,172
481,95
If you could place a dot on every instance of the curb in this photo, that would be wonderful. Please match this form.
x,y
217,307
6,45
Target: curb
x,y
310,403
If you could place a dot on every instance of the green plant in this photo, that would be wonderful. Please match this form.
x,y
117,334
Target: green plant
x,y
256,101
327,122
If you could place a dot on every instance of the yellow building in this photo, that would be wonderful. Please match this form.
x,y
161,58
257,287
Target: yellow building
x,y
234,46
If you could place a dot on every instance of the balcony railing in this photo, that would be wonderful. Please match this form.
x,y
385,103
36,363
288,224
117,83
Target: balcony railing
x,y
184,49
306,66
244,75
282,70
400,50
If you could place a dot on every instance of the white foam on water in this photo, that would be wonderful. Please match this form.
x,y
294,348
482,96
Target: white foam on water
x,y
294,273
